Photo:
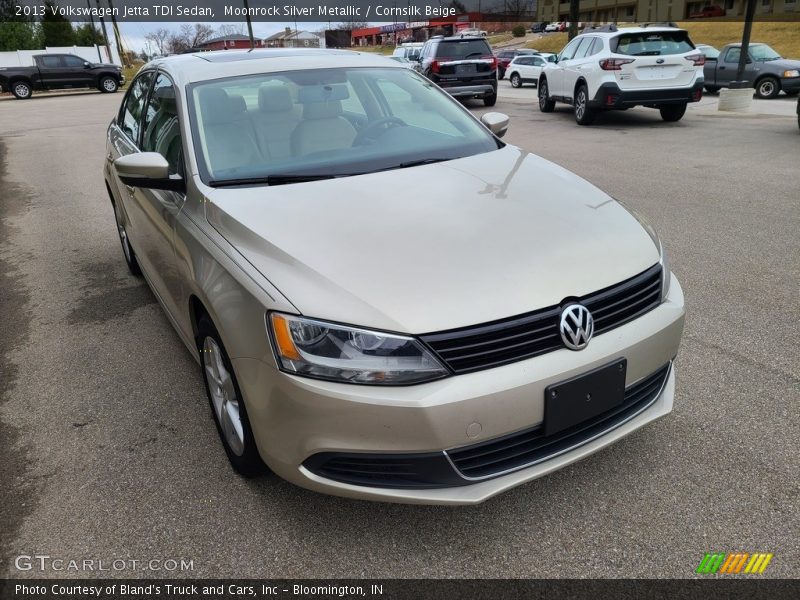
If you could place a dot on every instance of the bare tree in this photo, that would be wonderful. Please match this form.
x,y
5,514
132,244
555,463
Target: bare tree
x,y
227,29
160,39
189,37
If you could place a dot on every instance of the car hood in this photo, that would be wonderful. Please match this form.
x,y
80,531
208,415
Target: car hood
x,y
782,64
438,246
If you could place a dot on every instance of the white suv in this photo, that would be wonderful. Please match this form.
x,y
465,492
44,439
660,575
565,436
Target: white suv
x,y
610,68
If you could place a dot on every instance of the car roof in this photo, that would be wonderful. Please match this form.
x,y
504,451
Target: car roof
x,y
203,66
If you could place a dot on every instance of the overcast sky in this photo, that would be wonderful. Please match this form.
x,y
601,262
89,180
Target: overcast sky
x,y
133,34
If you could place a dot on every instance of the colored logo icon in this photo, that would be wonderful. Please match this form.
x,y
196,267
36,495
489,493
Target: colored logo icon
x,y
734,562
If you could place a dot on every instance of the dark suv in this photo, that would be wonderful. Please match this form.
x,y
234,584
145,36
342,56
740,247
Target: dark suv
x,y
463,67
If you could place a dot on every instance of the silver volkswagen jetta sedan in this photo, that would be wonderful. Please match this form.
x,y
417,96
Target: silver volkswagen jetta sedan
x,y
387,301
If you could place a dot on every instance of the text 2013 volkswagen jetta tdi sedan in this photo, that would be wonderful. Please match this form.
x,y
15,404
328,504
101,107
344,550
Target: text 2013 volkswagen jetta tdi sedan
x,y
387,301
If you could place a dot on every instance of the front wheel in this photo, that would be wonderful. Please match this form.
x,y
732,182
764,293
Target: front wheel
x,y
516,80
712,89
584,115
21,90
545,104
226,401
672,112
768,88
108,85
490,100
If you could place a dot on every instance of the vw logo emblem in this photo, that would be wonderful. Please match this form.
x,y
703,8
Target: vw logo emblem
x,y
576,327
660,61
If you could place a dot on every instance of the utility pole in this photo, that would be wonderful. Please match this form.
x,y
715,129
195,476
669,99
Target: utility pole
x,y
249,24
105,34
750,12
91,18
574,15
117,36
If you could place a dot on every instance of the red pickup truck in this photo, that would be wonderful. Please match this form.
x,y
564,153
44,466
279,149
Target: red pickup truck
x,y
708,11
59,71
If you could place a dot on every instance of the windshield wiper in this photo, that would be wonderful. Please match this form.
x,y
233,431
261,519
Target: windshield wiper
x,y
272,179
416,163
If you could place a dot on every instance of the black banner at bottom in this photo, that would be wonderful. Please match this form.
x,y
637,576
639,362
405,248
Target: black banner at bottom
x,y
418,589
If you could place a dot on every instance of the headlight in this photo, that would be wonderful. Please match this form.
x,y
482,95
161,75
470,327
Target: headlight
x,y
792,73
349,354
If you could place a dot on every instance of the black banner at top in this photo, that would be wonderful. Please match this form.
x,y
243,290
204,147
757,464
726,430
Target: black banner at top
x,y
337,11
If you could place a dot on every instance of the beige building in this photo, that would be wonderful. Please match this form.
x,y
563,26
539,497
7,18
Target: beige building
x,y
626,11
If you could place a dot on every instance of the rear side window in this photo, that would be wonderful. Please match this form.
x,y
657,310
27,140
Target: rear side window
x,y
652,43
463,49
74,61
51,62
584,48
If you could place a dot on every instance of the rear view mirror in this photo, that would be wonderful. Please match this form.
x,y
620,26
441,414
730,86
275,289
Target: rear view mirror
x,y
148,170
496,122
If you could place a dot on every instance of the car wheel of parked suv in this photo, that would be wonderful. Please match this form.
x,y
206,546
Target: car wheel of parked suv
x,y
108,85
227,406
127,251
672,112
490,100
584,115
712,89
516,80
767,88
545,104
501,73
21,90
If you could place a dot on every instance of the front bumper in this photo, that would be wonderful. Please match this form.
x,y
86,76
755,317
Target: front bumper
x,y
295,420
790,84
609,95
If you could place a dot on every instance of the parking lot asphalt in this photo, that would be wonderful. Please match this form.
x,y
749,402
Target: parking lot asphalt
x,y
108,450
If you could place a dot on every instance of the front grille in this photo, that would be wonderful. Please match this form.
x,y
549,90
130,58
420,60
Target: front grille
x,y
530,446
516,338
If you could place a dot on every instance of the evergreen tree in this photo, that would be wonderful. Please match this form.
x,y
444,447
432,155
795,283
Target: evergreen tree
x,y
56,29
86,35
17,32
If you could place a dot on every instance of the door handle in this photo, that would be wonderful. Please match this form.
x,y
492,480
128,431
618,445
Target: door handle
x,y
722,68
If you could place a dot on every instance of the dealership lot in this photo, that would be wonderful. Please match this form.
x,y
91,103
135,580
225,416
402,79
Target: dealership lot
x,y
109,450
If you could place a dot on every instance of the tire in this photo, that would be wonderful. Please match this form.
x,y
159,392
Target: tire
x,y
490,100
712,89
127,250
501,73
545,104
226,401
516,80
584,114
768,88
672,112
22,90
107,84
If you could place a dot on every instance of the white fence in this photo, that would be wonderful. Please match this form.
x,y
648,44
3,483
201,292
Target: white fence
x,y
24,58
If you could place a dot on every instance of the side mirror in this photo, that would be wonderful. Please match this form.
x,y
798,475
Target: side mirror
x,y
148,170
87,65
496,122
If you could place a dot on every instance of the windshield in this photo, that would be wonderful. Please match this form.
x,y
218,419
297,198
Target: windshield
x,y
763,52
278,127
652,43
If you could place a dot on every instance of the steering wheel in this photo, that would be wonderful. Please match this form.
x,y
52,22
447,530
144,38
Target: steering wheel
x,y
370,131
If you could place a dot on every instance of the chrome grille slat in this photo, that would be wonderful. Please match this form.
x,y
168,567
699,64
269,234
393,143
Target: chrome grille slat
x,y
488,345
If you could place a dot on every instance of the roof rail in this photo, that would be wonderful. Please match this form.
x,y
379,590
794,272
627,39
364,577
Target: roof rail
x,y
610,27
661,24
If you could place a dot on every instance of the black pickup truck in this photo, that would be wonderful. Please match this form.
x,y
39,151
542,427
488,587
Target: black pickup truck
x,y
59,71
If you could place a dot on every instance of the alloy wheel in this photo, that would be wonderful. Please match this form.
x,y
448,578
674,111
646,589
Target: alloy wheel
x,y
223,396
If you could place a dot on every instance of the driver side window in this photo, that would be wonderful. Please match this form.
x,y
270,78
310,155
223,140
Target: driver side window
x,y
161,129
569,51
